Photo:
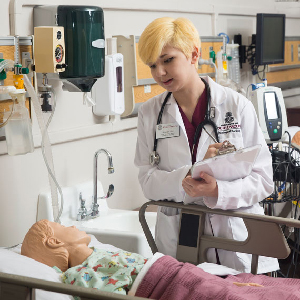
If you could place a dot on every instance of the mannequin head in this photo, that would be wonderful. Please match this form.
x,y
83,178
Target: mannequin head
x,y
179,33
56,245
296,138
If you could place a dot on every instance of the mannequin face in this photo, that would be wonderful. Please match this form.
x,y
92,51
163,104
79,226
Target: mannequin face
x,y
56,245
70,235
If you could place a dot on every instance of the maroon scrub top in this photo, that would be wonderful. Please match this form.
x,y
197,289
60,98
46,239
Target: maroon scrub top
x,y
198,117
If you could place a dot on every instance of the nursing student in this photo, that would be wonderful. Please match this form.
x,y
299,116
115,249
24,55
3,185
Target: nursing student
x,y
171,49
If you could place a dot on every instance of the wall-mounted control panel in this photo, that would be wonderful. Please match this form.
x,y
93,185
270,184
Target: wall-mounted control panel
x,y
49,49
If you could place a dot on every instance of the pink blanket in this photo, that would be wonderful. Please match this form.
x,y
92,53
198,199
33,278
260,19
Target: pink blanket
x,y
168,279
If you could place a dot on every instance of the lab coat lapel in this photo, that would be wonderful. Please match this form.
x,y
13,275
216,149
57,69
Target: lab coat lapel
x,y
173,110
205,141
218,95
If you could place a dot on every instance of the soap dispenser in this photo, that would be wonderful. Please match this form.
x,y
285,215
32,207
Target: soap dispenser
x,y
18,130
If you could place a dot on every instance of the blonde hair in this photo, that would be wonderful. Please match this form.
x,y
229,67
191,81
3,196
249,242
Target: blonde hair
x,y
179,33
35,246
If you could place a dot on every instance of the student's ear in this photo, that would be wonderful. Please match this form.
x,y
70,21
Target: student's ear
x,y
195,55
53,242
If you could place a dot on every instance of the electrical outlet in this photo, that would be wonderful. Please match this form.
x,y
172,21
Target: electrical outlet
x,y
27,61
147,88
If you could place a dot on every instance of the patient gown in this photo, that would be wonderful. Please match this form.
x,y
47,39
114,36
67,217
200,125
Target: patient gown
x,y
107,271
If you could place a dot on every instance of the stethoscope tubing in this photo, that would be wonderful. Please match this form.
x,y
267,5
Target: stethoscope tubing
x,y
159,119
207,121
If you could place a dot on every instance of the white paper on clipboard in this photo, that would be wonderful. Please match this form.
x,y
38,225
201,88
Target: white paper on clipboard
x,y
229,166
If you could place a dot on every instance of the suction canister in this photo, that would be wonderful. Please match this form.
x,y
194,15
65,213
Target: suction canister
x,y
84,42
18,130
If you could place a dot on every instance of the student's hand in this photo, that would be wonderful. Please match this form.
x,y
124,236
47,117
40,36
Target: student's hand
x,y
197,188
212,150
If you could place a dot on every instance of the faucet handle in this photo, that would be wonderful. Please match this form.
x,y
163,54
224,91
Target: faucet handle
x,y
82,201
82,212
82,209
110,191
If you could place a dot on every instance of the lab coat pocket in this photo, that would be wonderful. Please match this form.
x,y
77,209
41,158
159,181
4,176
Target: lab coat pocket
x,y
166,233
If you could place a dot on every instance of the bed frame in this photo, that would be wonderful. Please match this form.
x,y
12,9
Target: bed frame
x,y
265,238
16,287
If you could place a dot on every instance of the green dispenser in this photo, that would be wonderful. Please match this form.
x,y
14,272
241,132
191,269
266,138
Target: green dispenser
x,y
84,43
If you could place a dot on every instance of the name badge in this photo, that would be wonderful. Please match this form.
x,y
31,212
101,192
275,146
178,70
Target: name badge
x,y
167,130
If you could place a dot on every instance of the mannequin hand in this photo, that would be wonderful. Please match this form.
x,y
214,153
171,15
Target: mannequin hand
x,y
205,187
212,150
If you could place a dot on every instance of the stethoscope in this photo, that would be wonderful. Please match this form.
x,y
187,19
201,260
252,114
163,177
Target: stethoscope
x,y
154,156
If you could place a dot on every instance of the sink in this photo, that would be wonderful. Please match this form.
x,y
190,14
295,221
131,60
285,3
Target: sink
x,y
118,220
120,228
117,227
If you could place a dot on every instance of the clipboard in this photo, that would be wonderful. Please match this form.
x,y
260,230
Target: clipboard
x,y
229,166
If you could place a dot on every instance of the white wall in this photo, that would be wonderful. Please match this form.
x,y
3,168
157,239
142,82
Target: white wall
x,y
76,134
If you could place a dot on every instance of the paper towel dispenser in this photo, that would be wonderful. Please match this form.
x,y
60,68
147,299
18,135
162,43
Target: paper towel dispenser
x,y
84,42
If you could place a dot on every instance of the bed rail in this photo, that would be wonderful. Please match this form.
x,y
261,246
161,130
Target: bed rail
x,y
16,287
265,236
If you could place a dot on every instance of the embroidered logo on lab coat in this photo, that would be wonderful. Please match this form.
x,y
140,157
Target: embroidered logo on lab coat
x,y
229,126
228,117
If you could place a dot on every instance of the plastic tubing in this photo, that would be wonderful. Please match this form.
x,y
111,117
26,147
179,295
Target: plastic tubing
x,y
12,109
209,62
7,90
216,71
7,63
46,146
45,135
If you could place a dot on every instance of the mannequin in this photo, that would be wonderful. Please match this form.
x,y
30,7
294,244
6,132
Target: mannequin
x,y
66,248
120,271
296,138
56,245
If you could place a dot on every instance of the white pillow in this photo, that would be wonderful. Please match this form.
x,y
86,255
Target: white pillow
x,y
12,262
17,264
96,244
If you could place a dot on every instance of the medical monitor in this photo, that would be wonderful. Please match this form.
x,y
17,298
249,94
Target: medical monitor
x,y
272,106
270,38
270,109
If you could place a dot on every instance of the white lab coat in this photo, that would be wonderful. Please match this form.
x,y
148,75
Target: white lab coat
x,y
237,122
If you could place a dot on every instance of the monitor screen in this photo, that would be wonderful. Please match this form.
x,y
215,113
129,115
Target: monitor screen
x,y
270,38
270,100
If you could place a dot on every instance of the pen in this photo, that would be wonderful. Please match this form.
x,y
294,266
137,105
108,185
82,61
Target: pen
x,y
210,135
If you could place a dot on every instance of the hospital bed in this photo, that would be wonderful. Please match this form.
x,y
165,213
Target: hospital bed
x,y
265,237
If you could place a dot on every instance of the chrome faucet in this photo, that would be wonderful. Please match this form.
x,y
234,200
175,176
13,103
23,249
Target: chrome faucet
x,y
95,211
82,214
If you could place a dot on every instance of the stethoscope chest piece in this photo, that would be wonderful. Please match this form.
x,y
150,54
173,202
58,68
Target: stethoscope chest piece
x,y
210,113
154,158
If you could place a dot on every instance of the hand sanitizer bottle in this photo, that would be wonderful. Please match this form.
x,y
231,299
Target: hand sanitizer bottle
x,y
18,130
